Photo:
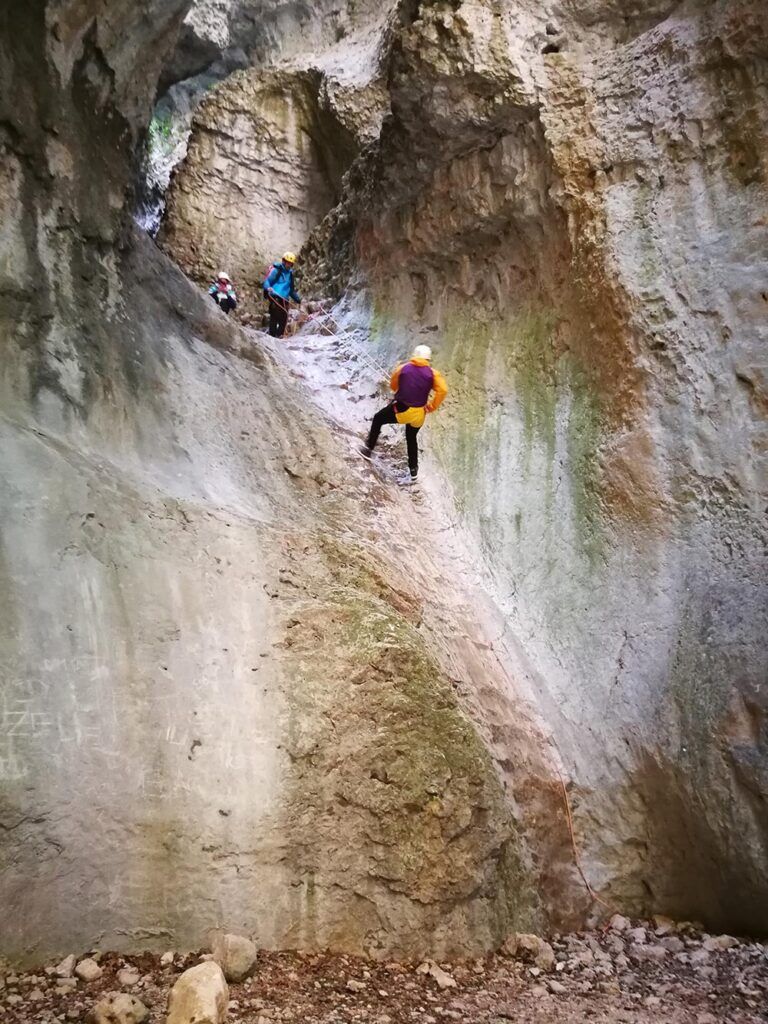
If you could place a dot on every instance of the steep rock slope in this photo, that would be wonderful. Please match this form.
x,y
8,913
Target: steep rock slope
x,y
220,704
573,201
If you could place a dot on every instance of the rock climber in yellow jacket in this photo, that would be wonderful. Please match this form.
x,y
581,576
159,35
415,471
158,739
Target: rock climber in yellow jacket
x,y
413,383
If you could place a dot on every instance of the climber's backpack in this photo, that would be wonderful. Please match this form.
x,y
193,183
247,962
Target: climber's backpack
x,y
281,270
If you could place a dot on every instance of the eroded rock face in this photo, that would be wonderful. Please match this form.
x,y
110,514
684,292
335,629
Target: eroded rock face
x,y
574,202
266,32
269,147
263,168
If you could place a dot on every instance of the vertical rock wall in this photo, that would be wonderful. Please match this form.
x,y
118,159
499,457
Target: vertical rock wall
x,y
572,204
219,706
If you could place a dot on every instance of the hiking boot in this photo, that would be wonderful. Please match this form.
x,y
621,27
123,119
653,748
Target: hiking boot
x,y
366,452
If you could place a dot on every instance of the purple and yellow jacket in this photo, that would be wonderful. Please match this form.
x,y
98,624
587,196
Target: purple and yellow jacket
x,y
413,382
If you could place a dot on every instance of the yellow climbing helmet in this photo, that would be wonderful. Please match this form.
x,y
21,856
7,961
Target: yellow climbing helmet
x,y
289,257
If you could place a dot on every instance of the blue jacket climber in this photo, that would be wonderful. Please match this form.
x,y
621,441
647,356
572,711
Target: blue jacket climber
x,y
279,288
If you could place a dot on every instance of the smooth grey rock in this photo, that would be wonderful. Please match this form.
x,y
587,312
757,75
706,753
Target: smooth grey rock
x,y
235,954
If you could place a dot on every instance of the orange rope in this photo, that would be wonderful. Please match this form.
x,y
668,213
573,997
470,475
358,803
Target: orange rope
x,y
576,858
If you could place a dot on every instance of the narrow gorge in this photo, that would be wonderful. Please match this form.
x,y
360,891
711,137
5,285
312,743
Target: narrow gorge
x,y
250,683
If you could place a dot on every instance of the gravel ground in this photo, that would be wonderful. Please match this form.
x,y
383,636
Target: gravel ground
x,y
646,972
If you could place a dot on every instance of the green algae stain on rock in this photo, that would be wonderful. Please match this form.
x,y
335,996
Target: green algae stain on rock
x,y
512,383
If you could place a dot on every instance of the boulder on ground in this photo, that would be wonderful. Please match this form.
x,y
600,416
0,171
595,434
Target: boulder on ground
x,y
531,949
118,1008
200,996
235,954
88,969
66,968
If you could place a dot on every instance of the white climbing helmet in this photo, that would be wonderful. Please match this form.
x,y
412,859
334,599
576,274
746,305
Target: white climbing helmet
x,y
422,352
223,276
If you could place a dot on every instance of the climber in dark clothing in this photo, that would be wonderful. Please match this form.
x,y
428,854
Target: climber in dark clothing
x,y
413,383
222,293
279,289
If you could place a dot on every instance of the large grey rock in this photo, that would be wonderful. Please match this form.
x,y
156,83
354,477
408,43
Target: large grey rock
x,y
235,954
199,996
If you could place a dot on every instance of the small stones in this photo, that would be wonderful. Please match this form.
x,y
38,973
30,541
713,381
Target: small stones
x,y
656,980
649,952
167,958
699,956
88,970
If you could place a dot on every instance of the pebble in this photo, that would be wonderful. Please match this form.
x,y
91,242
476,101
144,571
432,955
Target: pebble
x,y
356,986
557,987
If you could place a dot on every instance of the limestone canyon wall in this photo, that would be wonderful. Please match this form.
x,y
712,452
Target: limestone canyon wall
x,y
568,200
572,201
220,703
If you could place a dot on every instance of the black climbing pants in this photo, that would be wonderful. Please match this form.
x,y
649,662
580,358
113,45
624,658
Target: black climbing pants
x,y
387,415
225,304
278,318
